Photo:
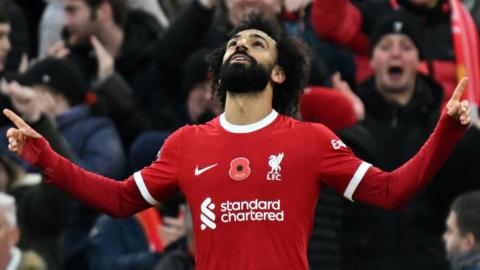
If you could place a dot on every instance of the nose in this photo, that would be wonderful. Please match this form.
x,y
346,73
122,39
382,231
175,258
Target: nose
x,y
396,50
5,43
67,21
242,44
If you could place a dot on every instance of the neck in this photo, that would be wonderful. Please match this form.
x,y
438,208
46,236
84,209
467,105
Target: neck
x,y
248,108
399,96
112,38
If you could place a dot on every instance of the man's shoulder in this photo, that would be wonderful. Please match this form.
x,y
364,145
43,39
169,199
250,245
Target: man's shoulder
x,y
207,128
300,125
302,130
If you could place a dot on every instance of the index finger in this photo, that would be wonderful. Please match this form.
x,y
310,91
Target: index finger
x,y
15,118
461,86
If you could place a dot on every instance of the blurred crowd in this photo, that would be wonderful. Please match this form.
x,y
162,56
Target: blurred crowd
x,y
106,81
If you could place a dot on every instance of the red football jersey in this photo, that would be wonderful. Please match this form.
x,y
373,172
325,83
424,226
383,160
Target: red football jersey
x,y
252,189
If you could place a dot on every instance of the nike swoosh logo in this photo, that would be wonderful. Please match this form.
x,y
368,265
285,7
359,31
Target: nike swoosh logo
x,y
200,171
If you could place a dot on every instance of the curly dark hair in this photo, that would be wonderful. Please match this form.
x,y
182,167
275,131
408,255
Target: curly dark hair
x,y
293,57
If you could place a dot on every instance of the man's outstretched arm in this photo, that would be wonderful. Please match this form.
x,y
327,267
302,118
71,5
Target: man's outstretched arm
x,y
116,198
393,189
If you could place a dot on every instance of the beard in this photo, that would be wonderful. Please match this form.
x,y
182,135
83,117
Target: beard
x,y
241,78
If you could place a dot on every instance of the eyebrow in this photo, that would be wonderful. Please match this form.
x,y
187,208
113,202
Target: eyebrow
x,y
256,36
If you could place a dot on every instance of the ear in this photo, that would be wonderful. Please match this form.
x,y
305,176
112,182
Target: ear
x,y
469,241
278,74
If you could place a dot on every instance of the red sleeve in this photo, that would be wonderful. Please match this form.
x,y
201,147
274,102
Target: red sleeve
x,y
360,181
347,31
335,163
158,181
116,198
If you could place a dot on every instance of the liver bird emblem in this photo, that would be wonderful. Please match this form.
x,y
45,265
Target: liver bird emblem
x,y
274,163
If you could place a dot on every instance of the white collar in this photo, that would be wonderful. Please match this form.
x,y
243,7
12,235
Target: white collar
x,y
15,257
267,120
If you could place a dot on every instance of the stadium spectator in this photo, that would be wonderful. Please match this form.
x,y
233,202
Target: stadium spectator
x,y
11,257
129,38
56,88
136,242
446,56
463,231
402,107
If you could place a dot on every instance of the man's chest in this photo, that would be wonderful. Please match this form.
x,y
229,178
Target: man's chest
x,y
248,165
237,170
230,184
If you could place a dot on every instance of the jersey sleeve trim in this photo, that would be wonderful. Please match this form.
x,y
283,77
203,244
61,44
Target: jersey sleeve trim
x,y
143,189
356,179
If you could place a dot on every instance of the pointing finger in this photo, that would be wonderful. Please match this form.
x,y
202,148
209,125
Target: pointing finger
x,y
461,86
15,119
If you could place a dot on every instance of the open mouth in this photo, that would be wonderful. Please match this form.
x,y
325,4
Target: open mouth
x,y
395,71
240,58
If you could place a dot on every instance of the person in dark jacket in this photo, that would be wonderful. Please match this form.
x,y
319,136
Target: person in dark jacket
x,y
462,232
130,243
139,241
60,88
41,229
20,34
129,37
355,29
5,44
402,107
11,257
181,255
5,48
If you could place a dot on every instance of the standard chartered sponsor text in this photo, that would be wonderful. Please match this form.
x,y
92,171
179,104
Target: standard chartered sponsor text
x,y
254,210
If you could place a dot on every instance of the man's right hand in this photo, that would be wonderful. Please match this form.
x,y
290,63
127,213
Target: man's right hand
x,y
106,62
172,230
24,99
17,136
58,50
344,87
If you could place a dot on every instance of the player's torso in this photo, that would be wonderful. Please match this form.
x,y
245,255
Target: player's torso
x,y
246,190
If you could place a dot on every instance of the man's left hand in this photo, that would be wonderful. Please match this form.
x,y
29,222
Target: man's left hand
x,y
457,108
